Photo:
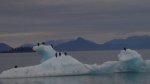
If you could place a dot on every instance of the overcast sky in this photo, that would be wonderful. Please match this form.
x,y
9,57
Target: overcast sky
x,y
32,21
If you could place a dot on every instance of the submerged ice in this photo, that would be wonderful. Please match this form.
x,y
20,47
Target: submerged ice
x,y
129,61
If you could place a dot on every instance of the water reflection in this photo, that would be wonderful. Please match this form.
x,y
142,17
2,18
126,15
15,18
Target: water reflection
x,y
92,79
132,78
115,78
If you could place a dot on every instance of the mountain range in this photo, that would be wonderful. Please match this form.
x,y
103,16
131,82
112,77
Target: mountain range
x,y
4,47
81,44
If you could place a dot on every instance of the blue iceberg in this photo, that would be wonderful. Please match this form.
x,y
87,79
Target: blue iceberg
x,y
64,65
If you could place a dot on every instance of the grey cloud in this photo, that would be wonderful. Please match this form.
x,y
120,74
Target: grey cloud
x,y
72,18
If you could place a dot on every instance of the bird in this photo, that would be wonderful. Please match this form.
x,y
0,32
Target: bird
x,y
38,44
59,54
56,54
43,43
124,48
15,66
65,53
52,45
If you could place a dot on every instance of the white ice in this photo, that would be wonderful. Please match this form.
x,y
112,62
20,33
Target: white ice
x,y
129,61
46,51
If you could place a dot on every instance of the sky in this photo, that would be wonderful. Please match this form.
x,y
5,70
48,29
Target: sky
x,y
33,21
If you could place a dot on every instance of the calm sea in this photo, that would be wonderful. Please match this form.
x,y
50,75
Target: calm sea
x,y
8,61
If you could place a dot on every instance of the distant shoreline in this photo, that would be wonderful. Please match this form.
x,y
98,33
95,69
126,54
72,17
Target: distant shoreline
x,y
69,51
18,52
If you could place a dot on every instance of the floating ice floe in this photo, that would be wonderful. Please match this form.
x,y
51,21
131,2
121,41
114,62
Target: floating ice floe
x,y
64,65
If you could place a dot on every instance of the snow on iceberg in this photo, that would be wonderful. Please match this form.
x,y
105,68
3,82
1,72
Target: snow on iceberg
x,y
65,65
129,61
46,51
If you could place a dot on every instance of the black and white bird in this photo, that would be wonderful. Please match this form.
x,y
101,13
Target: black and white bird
x,y
125,48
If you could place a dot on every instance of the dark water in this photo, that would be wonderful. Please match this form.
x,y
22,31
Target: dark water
x,y
8,61
115,78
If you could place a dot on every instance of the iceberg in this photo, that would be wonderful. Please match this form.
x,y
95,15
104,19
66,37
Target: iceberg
x,y
46,51
65,65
